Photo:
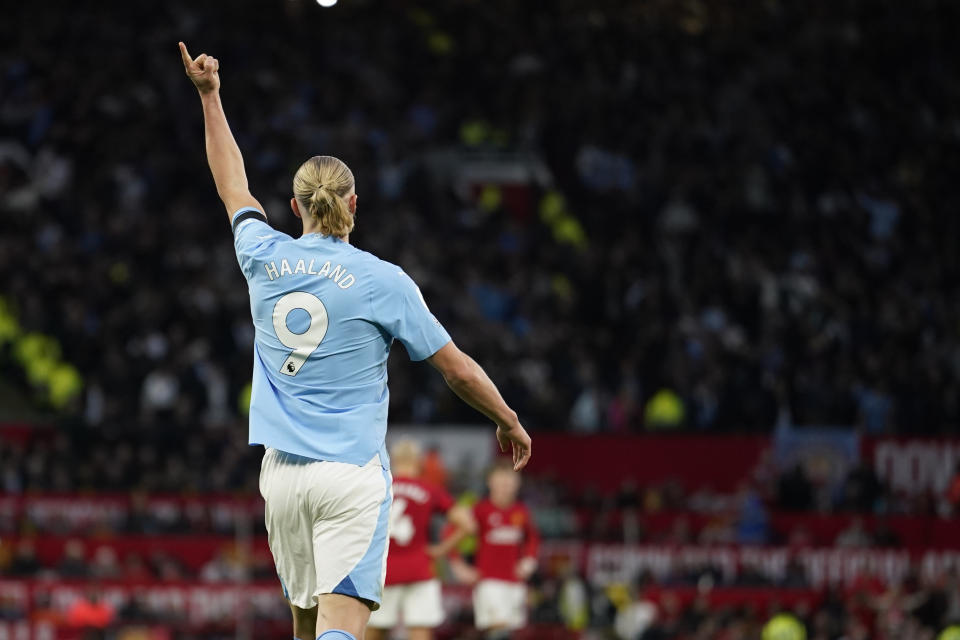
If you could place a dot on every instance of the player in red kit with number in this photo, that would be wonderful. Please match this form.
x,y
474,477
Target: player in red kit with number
x,y
412,592
507,544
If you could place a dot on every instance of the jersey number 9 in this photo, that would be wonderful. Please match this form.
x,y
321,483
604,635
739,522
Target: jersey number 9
x,y
305,342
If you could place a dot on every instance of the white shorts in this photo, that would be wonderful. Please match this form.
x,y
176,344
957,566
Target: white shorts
x,y
327,526
417,604
499,604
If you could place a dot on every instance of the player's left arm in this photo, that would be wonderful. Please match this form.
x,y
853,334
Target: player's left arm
x,y
223,154
529,550
462,524
463,572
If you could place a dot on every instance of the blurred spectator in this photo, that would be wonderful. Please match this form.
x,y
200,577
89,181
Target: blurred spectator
x,y
680,532
105,565
635,617
795,575
953,491
73,564
586,414
11,608
228,565
167,568
137,609
135,569
43,611
854,535
721,529
862,489
799,537
784,626
950,633
160,393
664,410
628,495
24,562
434,469
794,491
883,535
753,522
89,611
875,407
139,517
573,600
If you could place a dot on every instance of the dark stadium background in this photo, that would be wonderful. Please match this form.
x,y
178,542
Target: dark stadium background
x,y
709,250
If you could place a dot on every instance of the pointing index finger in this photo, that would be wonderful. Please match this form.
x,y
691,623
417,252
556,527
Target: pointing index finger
x,y
187,60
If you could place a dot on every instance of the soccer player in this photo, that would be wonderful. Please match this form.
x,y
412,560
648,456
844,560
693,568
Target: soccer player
x,y
507,545
412,592
325,315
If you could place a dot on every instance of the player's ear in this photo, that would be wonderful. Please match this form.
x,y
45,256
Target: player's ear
x,y
295,207
352,203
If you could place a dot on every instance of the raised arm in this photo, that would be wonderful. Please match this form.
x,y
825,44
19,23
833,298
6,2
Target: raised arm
x,y
469,381
223,154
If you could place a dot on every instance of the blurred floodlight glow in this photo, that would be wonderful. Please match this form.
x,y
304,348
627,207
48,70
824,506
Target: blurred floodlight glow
x,y
326,3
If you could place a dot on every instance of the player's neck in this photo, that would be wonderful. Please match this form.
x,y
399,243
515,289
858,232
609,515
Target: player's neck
x,y
309,227
503,504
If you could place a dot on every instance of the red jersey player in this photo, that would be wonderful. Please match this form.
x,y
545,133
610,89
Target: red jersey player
x,y
507,543
412,592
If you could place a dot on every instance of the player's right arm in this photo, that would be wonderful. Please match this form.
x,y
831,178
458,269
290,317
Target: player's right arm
x,y
462,524
529,549
223,154
472,384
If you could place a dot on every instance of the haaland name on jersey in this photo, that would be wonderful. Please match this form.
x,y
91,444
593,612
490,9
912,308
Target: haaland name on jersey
x,y
338,274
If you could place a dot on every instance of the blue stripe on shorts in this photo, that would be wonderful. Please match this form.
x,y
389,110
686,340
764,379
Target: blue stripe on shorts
x,y
365,581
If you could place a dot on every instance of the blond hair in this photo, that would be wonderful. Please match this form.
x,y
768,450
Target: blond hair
x,y
320,186
500,464
406,451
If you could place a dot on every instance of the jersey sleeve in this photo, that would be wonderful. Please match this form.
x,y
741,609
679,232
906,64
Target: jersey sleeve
x,y
399,307
479,515
442,500
531,537
253,238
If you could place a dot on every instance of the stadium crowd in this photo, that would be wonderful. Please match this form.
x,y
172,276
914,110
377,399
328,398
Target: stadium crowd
x,y
679,607
756,200
915,610
216,460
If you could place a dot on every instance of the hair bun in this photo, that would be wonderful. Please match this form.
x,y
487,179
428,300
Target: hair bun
x,y
320,186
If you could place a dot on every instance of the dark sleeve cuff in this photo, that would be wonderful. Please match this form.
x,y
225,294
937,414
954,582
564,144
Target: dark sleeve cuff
x,y
246,215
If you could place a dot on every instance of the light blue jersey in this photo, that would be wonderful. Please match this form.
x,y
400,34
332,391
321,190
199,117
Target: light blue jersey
x,y
325,315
